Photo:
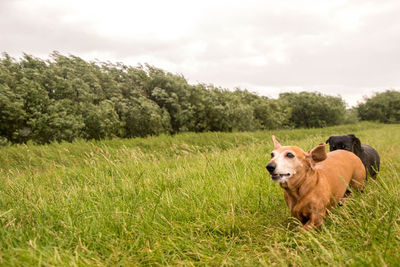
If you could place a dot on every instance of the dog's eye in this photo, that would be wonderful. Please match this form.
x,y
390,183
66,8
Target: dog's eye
x,y
290,155
272,155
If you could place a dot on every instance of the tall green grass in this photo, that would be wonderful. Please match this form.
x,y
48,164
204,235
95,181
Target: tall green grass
x,y
189,199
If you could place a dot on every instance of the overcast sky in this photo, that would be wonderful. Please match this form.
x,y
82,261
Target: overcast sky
x,y
347,48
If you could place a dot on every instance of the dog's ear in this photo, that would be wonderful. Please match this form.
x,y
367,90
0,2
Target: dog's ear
x,y
328,140
356,144
276,143
318,153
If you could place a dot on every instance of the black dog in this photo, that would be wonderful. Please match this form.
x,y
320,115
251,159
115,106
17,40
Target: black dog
x,y
368,155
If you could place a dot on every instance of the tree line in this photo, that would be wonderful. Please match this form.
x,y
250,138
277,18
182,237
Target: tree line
x,y
66,97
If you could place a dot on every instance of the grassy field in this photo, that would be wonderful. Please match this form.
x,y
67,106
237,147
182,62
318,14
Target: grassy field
x,y
190,199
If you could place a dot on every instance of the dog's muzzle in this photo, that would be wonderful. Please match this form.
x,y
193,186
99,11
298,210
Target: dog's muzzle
x,y
271,167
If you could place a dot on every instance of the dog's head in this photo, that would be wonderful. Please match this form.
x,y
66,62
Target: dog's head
x,y
288,162
347,142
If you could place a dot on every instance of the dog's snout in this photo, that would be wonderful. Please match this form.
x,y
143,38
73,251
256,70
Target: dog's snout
x,y
271,167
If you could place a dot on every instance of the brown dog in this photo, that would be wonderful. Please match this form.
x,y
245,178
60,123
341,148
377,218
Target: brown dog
x,y
314,181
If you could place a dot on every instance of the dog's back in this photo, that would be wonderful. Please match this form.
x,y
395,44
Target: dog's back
x,y
371,160
342,168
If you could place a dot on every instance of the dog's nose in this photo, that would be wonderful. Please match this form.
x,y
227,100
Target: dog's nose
x,y
271,167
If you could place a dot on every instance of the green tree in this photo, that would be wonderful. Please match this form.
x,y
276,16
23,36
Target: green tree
x,y
101,121
12,114
270,114
59,122
170,92
313,110
142,117
383,107
67,97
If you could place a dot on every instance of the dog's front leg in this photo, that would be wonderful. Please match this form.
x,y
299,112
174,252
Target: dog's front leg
x,y
315,221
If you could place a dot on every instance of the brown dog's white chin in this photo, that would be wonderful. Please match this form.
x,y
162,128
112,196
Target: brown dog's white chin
x,y
280,178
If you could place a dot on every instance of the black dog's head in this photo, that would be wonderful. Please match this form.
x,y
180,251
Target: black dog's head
x,y
346,142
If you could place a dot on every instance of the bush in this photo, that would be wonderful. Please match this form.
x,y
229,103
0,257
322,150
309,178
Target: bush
x,y
66,98
313,110
351,116
383,107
